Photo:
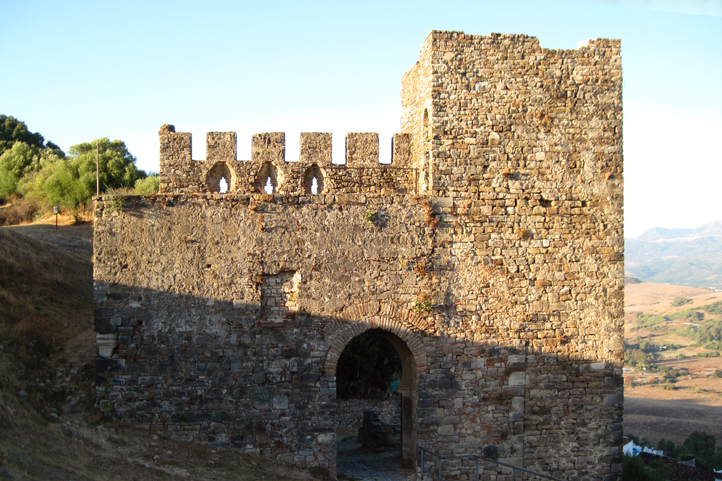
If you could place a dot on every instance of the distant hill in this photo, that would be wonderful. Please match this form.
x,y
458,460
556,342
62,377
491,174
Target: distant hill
x,y
677,256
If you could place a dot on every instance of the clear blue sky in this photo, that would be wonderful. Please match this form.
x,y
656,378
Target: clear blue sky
x,y
76,71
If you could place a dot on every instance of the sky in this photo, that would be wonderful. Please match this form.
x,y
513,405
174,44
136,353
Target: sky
x,y
76,71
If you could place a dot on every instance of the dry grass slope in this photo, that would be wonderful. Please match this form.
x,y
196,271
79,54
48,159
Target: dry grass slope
x,y
45,294
49,429
694,404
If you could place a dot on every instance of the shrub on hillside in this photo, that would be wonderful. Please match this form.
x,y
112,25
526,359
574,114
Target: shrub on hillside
x,y
708,354
689,314
714,308
680,301
652,322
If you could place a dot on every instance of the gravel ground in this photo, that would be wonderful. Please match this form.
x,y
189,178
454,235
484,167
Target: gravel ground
x,y
359,464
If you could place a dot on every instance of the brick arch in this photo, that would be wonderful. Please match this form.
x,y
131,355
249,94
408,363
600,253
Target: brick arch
x,y
393,324
387,317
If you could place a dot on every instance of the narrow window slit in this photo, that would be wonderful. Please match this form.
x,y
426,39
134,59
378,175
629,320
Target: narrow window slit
x,y
313,180
267,179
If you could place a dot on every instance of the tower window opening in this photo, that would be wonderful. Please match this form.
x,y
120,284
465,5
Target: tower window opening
x,y
267,179
219,179
313,180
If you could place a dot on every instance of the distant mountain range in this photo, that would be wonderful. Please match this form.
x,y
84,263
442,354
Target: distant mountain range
x,y
677,256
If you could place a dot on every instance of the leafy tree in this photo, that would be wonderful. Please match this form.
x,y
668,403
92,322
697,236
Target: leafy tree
x,y
691,314
710,331
146,186
20,153
70,182
13,130
19,160
669,448
117,165
701,445
634,469
669,374
635,356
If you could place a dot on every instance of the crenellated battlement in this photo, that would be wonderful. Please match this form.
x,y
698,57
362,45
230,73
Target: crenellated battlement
x,y
270,171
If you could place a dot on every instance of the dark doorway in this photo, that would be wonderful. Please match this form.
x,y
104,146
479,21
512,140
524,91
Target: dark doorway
x,y
376,396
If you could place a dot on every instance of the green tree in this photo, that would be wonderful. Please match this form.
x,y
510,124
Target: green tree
x,y
20,153
634,469
70,182
117,165
13,130
146,186
19,160
701,445
710,331
669,448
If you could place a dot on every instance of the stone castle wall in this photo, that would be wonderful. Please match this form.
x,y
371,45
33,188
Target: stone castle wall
x,y
490,253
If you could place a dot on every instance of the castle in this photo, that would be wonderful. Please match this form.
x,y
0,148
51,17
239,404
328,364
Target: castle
x,y
489,253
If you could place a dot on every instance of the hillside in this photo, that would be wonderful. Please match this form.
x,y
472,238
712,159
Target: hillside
x,y
49,429
671,377
677,256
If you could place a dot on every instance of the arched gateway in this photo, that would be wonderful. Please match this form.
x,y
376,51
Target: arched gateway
x,y
413,360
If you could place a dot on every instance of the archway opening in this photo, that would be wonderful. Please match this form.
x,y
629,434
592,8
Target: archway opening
x,y
376,405
313,180
267,179
219,178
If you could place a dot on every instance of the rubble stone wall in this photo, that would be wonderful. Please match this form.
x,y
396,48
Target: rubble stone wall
x,y
490,253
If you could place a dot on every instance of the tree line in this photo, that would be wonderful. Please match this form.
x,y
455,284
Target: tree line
x,y
37,174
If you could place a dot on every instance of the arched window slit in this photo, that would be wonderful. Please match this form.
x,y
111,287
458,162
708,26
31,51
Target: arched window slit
x,y
313,181
267,179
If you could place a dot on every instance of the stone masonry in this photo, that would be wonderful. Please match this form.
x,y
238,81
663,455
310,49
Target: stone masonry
x,y
489,253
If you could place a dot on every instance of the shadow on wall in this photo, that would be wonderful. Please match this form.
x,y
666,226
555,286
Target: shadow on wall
x,y
262,380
